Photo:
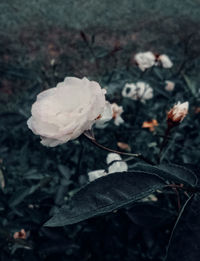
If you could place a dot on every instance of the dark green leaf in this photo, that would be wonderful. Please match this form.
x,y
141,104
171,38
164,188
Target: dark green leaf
x,y
105,195
172,172
182,173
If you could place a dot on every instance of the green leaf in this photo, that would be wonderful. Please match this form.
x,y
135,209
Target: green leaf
x,y
105,195
182,173
172,172
185,240
191,85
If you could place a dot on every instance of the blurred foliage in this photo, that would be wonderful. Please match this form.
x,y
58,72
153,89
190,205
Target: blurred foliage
x,y
41,43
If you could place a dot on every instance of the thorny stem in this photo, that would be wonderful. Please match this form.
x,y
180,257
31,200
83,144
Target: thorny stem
x,y
119,152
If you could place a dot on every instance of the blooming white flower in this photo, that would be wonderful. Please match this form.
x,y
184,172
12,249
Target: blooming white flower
x,y
177,113
165,61
169,86
140,91
117,166
64,112
116,114
129,90
95,174
145,60
112,157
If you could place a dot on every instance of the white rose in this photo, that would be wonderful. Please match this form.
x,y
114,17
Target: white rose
x,y
140,91
145,60
165,61
63,113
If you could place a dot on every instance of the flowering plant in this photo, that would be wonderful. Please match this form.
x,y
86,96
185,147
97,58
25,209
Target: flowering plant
x,y
118,147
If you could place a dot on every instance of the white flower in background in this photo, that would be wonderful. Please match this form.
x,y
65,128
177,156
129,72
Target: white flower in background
x,y
145,60
111,111
95,174
64,112
140,91
165,61
129,90
105,117
177,113
169,86
116,114
112,157
117,166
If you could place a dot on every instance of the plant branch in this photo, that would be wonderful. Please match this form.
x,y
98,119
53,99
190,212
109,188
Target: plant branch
x,y
119,152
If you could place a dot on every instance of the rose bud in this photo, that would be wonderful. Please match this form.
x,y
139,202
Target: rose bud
x,y
64,112
177,113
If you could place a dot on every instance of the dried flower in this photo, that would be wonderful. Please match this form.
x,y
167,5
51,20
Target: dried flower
x,y
169,86
150,124
20,235
124,146
63,113
177,113
165,61
140,91
145,60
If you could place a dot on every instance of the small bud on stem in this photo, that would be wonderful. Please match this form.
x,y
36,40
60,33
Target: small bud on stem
x,y
177,114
